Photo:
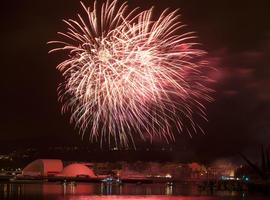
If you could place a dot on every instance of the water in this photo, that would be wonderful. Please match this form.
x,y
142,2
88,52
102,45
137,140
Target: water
x,y
100,191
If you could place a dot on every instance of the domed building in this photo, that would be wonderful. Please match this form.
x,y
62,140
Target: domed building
x,y
77,170
43,167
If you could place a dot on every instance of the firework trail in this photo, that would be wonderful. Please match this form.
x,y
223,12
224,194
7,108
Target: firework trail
x,y
128,75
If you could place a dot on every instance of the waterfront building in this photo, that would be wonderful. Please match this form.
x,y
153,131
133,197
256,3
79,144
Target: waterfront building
x,y
43,167
77,170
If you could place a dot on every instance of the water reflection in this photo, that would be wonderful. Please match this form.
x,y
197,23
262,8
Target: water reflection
x,y
139,198
74,188
169,190
86,191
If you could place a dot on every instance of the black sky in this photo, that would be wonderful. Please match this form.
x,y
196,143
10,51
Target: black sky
x,y
235,33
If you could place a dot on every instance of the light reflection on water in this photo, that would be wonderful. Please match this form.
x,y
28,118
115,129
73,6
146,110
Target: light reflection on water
x,y
140,198
97,191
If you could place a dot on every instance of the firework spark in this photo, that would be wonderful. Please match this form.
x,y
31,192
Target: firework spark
x,y
129,74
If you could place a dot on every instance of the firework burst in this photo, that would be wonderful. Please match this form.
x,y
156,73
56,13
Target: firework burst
x,y
129,74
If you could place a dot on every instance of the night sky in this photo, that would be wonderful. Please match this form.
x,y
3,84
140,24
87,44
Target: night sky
x,y
235,33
